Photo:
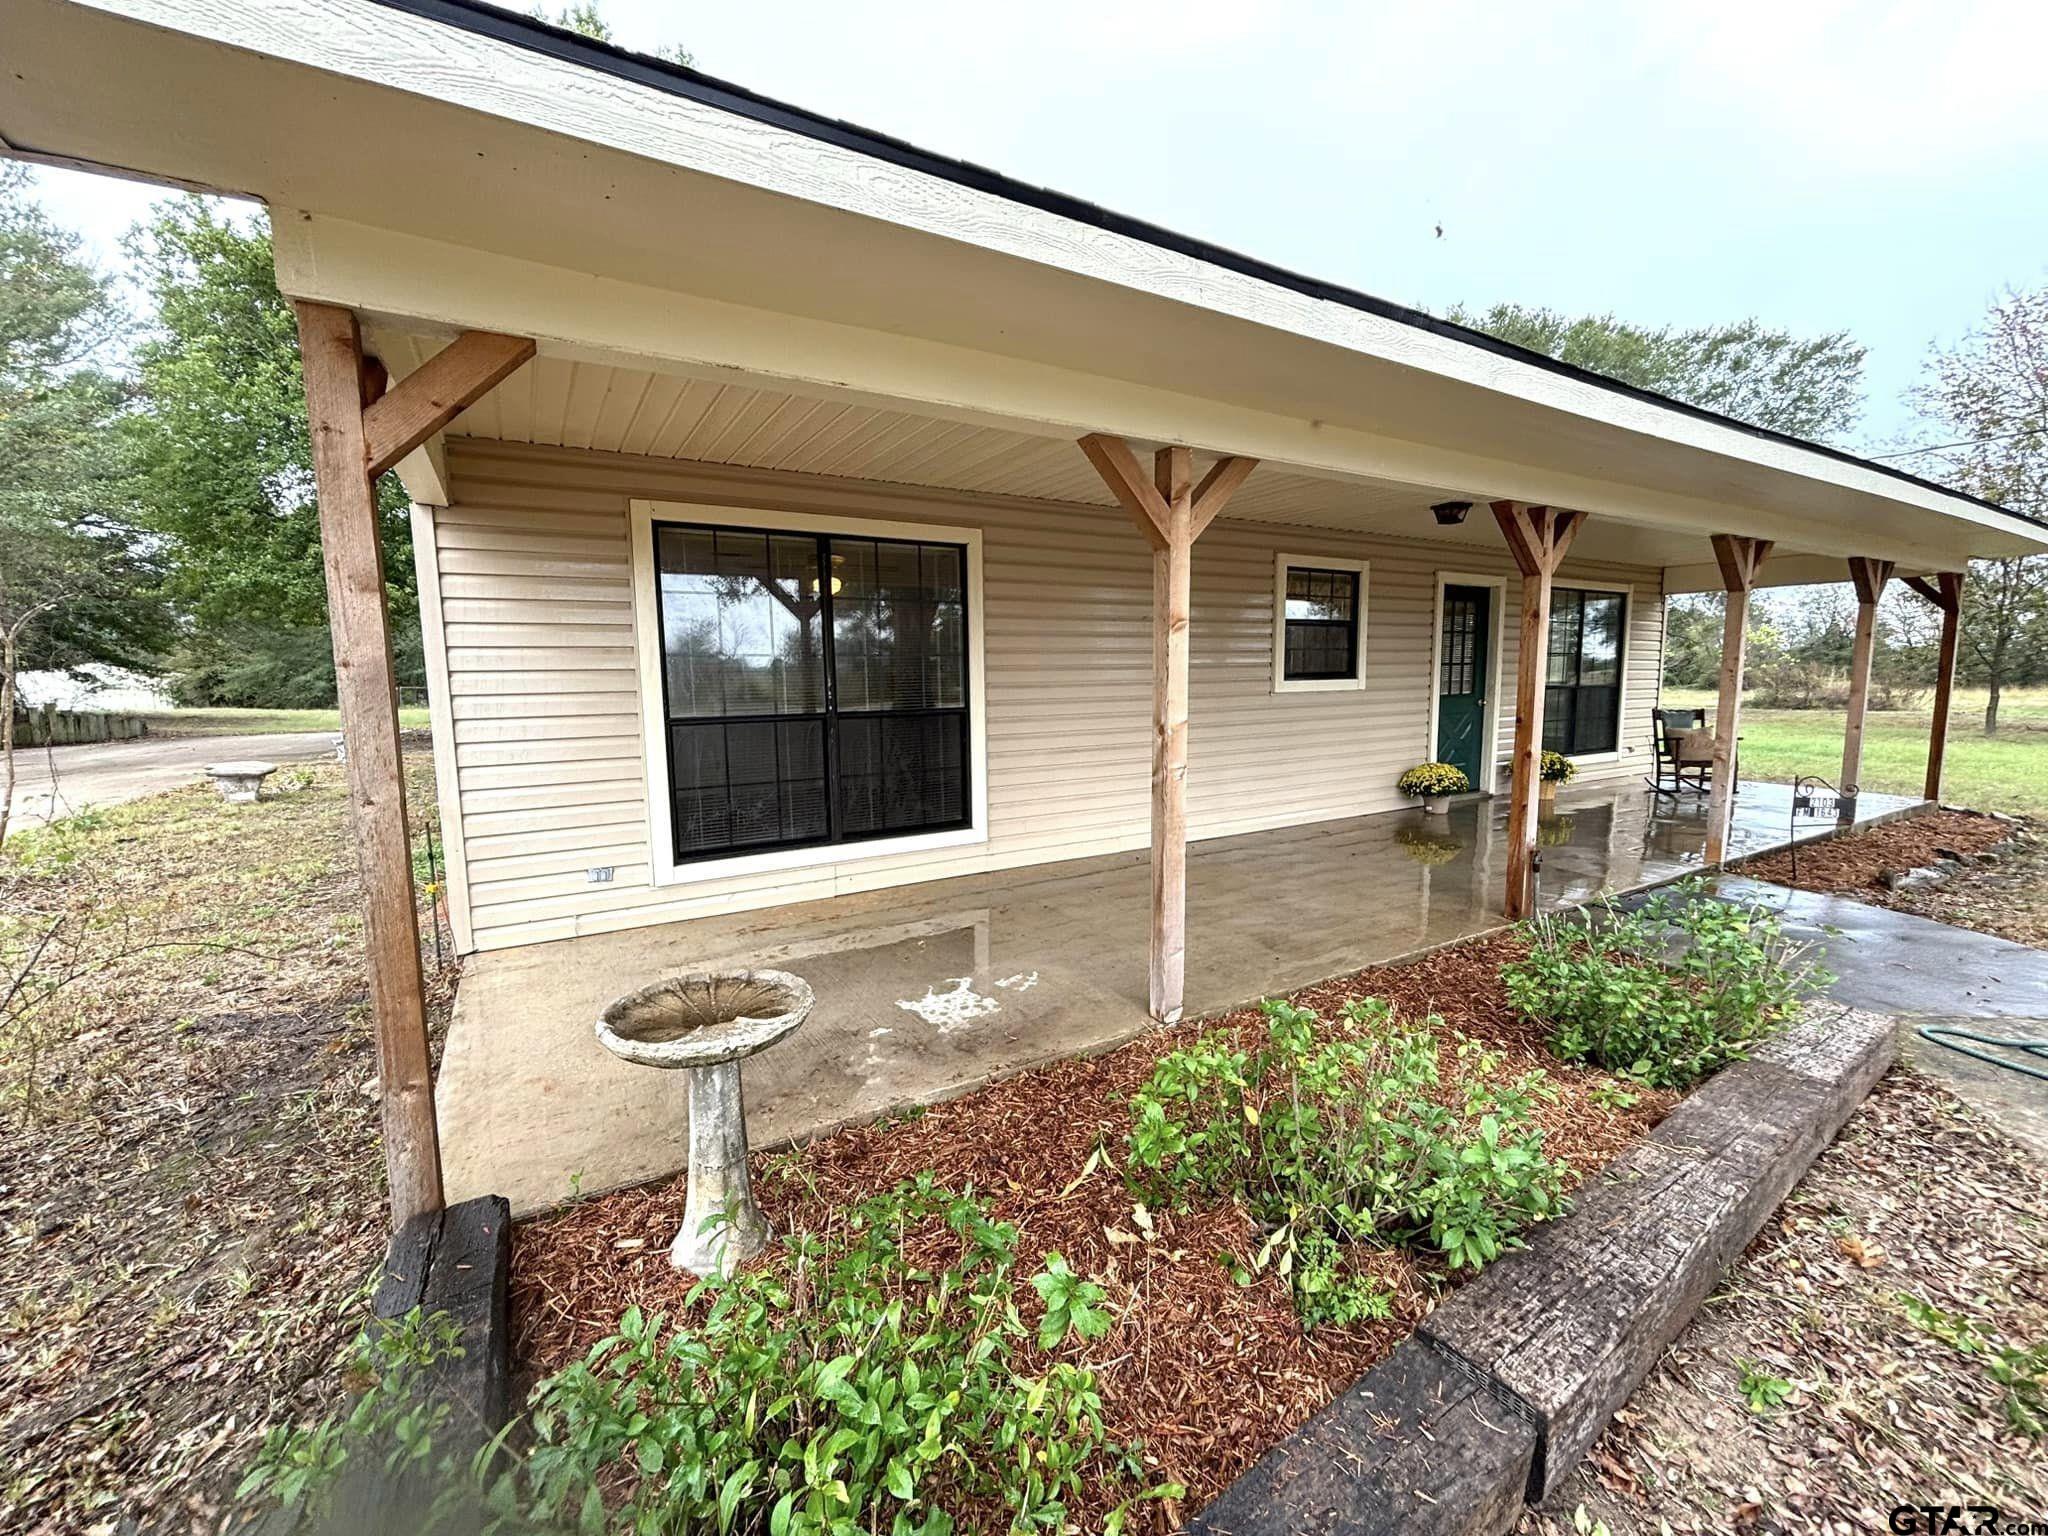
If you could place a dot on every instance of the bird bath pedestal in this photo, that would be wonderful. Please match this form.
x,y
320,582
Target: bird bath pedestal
x,y
706,1024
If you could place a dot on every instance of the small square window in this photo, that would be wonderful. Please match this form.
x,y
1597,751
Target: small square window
x,y
1318,623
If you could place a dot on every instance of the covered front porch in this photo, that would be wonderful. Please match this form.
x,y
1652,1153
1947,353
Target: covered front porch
x,y
927,991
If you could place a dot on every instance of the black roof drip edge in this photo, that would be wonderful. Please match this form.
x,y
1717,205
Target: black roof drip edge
x,y
537,36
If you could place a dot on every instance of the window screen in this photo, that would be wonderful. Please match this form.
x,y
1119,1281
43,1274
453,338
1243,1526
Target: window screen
x,y
816,687
1322,624
1582,697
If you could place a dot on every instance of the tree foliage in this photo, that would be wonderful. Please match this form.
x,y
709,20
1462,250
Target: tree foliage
x,y
1987,398
77,584
224,468
1808,386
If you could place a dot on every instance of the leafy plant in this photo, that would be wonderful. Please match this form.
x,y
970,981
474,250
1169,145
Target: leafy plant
x,y
842,1389
2022,1373
1763,1391
393,1418
1072,1305
1432,779
1556,768
1331,1136
1665,994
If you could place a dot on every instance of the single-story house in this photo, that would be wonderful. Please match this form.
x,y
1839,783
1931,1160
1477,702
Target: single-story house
x,y
803,517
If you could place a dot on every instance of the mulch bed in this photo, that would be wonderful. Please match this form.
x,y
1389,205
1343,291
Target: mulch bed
x,y
1207,1374
1857,863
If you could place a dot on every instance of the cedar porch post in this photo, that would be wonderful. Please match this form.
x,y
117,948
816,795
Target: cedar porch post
x,y
1740,559
1945,591
1538,538
1870,577
1171,512
358,431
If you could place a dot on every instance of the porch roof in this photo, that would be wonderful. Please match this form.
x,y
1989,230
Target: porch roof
x,y
436,164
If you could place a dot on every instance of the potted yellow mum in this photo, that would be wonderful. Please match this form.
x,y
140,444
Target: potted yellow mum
x,y
1433,784
1554,770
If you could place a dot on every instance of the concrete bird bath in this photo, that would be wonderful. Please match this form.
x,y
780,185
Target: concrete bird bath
x,y
706,1023
240,783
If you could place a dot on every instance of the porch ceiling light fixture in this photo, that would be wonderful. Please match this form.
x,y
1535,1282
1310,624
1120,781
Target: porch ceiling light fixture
x,y
705,1024
1451,513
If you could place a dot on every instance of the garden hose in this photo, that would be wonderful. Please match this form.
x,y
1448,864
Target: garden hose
x,y
1948,1035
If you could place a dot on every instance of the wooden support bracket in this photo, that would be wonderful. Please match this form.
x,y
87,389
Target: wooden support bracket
x,y
1538,538
359,428
1171,512
1740,559
1870,577
1945,592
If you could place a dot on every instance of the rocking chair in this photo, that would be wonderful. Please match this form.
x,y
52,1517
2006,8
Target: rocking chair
x,y
1684,752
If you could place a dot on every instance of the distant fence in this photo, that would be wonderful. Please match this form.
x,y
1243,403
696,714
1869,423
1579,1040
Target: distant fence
x,y
54,727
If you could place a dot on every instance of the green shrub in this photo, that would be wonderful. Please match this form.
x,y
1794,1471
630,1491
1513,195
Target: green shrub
x,y
1556,768
836,1388
1665,994
840,1388
1344,1135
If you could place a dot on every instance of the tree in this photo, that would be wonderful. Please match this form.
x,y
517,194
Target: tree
x,y
77,582
225,469
1809,387
1987,401
585,17
1692,640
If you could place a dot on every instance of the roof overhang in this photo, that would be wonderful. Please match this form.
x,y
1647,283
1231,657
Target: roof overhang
x,y
445,175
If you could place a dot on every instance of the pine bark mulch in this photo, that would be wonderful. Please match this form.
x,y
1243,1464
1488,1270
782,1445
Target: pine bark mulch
x,y
1206,1373
1858,862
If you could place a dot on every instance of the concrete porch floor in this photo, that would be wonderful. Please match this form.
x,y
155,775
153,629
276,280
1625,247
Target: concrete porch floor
x,y
926,991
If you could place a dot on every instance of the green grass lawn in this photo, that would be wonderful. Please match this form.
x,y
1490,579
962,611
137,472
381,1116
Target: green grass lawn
x,y
259,722
2007,772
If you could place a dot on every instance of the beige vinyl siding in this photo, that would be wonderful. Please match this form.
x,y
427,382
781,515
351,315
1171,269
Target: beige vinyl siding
x,y
543,709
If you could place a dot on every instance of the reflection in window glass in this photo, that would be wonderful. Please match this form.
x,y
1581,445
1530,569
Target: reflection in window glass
x,y
816,686
1582,702
1321,613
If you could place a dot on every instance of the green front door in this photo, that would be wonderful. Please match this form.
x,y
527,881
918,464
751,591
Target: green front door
x,y
1462,672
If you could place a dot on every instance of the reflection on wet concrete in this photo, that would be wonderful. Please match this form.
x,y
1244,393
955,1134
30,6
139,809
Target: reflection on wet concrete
x,y
928,991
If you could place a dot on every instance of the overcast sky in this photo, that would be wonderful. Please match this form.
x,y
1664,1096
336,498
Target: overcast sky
x,y
1881,168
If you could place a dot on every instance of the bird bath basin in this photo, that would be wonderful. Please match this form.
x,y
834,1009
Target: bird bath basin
x,y
706,1024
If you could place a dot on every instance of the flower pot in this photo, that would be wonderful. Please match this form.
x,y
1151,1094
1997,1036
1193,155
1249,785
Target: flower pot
x,y
1436,805
1546,791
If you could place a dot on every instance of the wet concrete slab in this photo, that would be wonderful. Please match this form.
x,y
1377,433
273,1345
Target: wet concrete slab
x,y
928,991
1928,973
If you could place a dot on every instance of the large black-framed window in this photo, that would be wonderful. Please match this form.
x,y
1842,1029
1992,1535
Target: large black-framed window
x,y
1320,613
815,687
1582,699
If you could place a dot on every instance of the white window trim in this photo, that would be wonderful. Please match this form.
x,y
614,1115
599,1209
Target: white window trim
x,y
1628,621
654,726
1282,683
1489,754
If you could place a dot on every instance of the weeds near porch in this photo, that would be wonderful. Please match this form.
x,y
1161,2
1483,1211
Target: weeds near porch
x,y
1666,994
1331,1137
2023,1373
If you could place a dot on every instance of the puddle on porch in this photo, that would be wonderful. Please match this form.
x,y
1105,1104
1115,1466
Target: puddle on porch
x,y
927,991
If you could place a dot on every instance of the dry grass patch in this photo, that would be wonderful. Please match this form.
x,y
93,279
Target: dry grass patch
x,y
191,1196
